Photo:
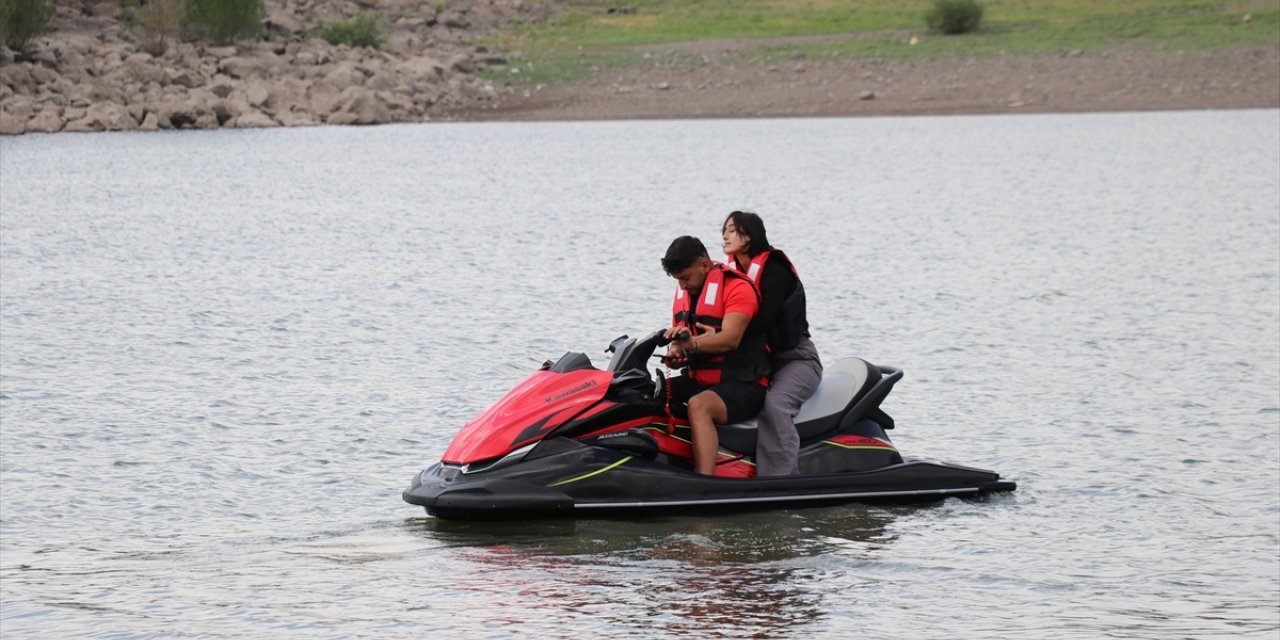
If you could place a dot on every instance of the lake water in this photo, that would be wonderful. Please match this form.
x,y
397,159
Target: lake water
x,y
224,354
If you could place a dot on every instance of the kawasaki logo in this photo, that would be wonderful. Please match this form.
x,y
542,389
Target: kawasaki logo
x,y
564,394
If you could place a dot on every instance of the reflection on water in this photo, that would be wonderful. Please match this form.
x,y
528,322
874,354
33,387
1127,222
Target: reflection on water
x,y
728,577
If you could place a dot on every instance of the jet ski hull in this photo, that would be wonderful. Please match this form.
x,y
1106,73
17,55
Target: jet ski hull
x,y
570,478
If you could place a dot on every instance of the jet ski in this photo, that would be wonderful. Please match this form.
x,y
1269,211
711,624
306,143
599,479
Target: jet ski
x,y
575,440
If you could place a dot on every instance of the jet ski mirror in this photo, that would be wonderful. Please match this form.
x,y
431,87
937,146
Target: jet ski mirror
x,y
616,343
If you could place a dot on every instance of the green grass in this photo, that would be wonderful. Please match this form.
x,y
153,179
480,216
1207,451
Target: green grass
x,y
582,39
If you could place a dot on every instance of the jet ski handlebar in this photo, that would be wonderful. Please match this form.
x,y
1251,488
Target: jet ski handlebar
x,y
664,341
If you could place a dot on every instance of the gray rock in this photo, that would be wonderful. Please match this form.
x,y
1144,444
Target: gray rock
x,y
16,76
314,52
244,67
381,81
226,111
221,52
296,118
345,74
401,104
103,116
360,106
221,88
41,75
45,57
151,122
49,120
12,124
323,99
279,20
254,120
461,62
145,70
177,113
19,107
257,95
80,95
454,20
286,95
422,68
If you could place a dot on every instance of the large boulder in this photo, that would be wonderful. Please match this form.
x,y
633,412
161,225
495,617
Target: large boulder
x,y
253,119
345,74
360,106
192,111
228,109
103,116
19,107
296,117
17,77
257,94
422,68
12,124
42,75
49,120
323,98
246,67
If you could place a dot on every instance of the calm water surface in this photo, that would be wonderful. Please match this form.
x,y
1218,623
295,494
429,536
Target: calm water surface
x,y
223,355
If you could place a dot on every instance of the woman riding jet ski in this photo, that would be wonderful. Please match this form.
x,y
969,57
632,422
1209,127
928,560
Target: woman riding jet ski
x,y
572,439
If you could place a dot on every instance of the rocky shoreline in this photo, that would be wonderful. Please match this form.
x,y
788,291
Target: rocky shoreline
x,y
91,73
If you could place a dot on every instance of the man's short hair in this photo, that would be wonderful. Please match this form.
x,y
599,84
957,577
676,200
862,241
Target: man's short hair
x,y
683,252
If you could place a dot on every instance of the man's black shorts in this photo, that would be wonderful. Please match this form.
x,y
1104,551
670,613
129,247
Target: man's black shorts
x,y
742,399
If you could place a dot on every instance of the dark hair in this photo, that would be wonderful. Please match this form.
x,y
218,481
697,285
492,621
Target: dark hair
x,y
683,252
751,226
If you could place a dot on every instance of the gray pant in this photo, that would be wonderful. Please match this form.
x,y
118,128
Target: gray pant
x,y
796,374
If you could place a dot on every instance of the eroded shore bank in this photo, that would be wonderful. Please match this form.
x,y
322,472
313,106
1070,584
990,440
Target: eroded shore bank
x,y
1244,77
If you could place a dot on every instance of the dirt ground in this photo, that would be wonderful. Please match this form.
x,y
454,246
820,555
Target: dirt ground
x,y
1246,77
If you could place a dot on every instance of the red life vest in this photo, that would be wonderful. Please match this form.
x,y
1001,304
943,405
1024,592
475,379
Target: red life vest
x,y
749,362
756,266
792,322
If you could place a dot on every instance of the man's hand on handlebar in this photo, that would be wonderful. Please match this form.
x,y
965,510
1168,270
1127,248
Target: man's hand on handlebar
x,y
679,339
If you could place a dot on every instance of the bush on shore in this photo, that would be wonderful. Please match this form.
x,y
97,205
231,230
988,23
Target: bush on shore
x,y
158,22
953,16
361,30
22,20
225,21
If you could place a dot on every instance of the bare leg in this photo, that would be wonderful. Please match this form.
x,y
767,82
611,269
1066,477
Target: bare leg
x,y
705,410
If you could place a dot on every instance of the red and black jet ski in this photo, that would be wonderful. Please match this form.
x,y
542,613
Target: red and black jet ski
x,y
572,439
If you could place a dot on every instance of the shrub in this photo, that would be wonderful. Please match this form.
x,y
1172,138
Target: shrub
x,y
362,30
158,21
225,21
22,20
953,16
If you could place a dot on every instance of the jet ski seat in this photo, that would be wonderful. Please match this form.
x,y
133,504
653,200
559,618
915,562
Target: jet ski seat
x,y
844,396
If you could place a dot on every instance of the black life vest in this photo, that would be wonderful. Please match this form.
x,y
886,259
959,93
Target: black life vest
x,y
792,322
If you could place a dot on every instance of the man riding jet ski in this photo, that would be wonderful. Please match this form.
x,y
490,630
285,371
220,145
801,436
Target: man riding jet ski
x,y
572,439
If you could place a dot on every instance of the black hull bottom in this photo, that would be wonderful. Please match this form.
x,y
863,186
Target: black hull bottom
x,y
583,481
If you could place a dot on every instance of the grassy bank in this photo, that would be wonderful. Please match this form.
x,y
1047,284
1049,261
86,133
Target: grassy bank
x,y
585,37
